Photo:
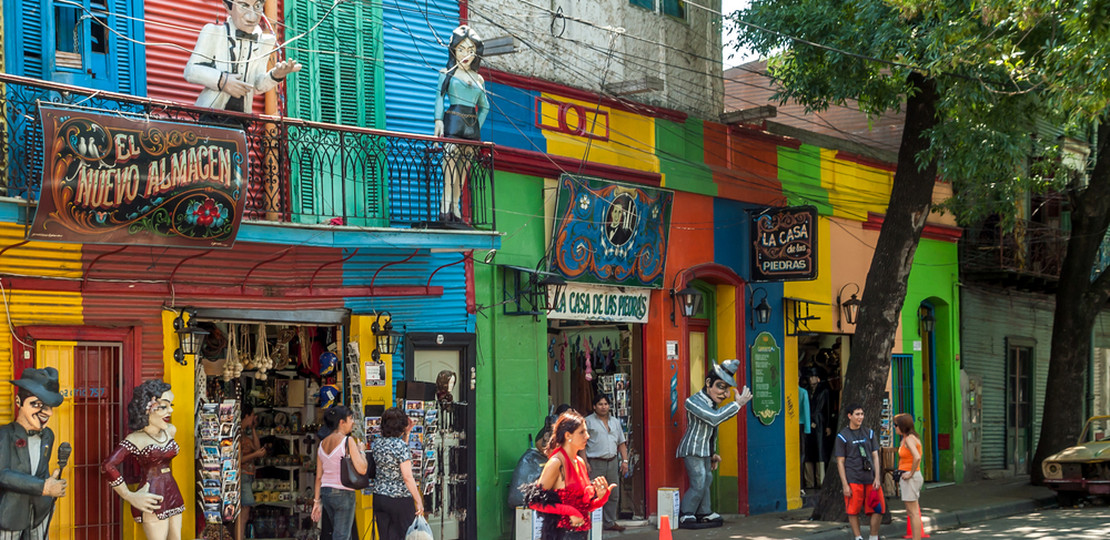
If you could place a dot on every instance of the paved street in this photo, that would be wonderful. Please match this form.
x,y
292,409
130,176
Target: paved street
x,y
1050,524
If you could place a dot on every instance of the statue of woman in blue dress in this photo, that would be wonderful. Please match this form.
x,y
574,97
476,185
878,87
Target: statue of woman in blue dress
x,y
461,109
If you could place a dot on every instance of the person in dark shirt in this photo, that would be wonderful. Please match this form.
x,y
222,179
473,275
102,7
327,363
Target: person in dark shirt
x,y
857,459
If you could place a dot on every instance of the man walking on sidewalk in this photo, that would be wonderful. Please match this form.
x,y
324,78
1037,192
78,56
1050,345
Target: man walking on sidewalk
x,y
857,459
607,452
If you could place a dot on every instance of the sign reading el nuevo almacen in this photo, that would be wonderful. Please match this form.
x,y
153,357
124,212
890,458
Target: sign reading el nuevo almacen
x,y
108,179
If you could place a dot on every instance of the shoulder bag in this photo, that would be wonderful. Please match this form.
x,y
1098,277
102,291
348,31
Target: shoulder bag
x,y
348,475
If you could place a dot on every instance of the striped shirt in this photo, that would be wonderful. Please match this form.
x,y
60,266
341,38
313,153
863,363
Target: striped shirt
x,y
702,419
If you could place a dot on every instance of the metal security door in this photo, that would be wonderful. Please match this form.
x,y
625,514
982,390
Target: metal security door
x,y
91,420
450,511
1019,408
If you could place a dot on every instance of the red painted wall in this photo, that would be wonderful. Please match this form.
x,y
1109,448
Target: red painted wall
x,y
137,298
744,164
690,243
178,22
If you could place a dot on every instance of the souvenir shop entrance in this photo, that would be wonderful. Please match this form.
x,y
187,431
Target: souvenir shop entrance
x,y
287,371
821,360
590,358
438,391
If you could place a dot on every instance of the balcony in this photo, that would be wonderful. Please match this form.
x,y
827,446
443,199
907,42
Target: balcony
x,y
300,172
1027,258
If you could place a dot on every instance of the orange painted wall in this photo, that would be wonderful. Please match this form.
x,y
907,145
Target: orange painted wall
x,y
690,243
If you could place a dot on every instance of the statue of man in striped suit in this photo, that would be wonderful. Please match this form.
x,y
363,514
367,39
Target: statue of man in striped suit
x,y
698,447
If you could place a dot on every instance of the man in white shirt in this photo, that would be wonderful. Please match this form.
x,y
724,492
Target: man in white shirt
x,y
230,60
607,454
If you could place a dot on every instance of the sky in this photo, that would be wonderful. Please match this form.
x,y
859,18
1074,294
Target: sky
x,y
737,57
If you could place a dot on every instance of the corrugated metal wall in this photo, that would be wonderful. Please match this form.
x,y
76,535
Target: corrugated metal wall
x,y
415,34
445,313
217,268
990,316
179,22
412,31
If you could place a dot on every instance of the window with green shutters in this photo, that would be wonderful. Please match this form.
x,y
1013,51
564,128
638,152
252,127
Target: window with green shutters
x,y
336,173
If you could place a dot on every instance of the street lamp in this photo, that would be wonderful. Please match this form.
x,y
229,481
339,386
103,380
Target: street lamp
x,y
189,336
849,306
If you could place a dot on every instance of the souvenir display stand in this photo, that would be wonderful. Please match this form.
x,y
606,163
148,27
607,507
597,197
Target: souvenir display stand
x,y
218,445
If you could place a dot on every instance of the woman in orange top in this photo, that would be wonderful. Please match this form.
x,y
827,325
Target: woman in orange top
x,y
909,465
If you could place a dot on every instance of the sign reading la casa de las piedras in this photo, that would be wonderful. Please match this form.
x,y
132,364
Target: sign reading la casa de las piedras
x,y
784,244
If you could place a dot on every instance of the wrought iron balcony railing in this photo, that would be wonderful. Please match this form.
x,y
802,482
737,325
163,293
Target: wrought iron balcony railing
x,y
300,172
1031,250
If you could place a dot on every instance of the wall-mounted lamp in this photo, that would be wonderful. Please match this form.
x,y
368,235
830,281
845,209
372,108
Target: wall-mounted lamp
x,y
761,313
689,298
189,336
384,335
926,322
850,307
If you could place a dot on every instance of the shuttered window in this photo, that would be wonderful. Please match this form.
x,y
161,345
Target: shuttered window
x,y
336,175
77,42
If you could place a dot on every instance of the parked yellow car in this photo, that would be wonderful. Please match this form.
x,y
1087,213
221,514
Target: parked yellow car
x,y
1083,469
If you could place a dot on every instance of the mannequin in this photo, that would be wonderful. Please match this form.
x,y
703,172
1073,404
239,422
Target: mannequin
x,y
445,386
460,110
817,451
230,60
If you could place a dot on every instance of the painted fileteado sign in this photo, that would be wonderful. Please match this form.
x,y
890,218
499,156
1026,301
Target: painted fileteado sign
x,y
597,303
108,179
784,244
766,378
610,233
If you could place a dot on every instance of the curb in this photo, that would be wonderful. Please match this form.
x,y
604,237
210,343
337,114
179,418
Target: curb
x,y
948,520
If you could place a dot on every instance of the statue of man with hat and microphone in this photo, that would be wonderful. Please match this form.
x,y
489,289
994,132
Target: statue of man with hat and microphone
x,y
27,490
698,447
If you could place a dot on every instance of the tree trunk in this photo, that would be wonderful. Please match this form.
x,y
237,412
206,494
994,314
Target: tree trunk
x,y
1078,302
911,199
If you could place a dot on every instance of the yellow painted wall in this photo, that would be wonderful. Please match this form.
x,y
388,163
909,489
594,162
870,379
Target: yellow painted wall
x,y
726,349
182,381
790,424
59,355
817,290
371,395
35,259
854,189
27,307
631,141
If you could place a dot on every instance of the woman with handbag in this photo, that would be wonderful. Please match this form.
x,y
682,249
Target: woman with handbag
x,y
333,498
564,491
397,500
909,471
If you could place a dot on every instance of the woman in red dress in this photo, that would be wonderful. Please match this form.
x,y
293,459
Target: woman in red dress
x,y
564,491
157,504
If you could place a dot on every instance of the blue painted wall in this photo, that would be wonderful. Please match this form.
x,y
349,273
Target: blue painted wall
x,y
511,120
766,444
412,32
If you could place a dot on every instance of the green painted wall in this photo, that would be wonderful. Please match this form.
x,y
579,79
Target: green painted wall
x,y
511,385
800,174
681,152
933,280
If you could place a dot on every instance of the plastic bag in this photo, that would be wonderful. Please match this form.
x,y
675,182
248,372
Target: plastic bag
x,y
419,530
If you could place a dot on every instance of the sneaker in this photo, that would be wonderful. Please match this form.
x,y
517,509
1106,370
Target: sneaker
x,y
688,518
712,517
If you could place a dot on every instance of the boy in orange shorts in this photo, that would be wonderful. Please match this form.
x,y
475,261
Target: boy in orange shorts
x,y
857,458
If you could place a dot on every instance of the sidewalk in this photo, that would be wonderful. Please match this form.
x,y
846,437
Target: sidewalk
x,y
945,507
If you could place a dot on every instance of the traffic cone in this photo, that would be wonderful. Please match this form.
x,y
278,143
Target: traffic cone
x,y
665,527
909,526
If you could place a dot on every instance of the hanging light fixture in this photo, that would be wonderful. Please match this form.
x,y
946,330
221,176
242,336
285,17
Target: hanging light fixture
x,y
189,336
926,322
384,334
762,312
849,307
689,298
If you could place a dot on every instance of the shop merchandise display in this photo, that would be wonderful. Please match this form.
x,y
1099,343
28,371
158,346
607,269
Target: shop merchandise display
x,y
282,371
218,445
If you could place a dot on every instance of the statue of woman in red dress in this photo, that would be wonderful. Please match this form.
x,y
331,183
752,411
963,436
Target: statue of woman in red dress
x,y
157,503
